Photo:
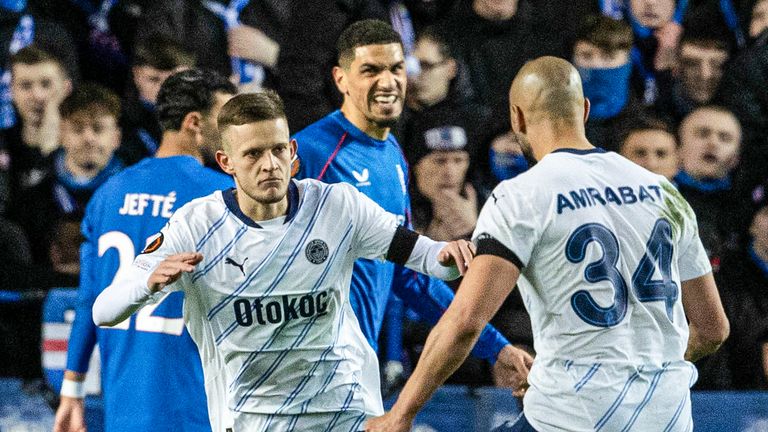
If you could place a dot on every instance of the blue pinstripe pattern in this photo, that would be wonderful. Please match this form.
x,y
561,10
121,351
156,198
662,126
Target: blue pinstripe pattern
x,y
590,373
275,364
677,413
568,364
616,403
295,253
347,403
216,259
252,356
212,230
256,271
647,398
358,423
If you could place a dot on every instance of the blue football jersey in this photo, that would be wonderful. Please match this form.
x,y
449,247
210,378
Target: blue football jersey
x,y
333,150
152,377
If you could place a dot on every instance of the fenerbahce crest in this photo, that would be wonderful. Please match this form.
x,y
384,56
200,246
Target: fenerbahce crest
x,y
316,251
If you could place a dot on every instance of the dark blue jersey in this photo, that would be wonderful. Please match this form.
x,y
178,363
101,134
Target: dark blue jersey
x,y
152,378
334,150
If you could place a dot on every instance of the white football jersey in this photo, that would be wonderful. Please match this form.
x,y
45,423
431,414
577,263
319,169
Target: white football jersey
x,y
270,302
603,245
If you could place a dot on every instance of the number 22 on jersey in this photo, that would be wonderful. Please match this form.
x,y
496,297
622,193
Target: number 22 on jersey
x,y
659,250
145,321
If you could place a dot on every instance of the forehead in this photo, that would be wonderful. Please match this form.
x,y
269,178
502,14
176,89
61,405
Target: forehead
x,y
39,70
696,51
650,138
255,135
378,54
90,114
712,119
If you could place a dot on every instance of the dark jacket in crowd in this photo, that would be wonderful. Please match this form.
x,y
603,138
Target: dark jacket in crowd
x,y
744,291
608,133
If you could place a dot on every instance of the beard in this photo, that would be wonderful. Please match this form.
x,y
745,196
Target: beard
x,y
525,147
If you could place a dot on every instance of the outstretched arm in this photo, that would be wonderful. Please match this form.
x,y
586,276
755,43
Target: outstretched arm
x,y
708,323
488,282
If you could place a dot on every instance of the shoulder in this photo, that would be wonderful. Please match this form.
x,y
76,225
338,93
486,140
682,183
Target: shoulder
x,y
203,209
321,134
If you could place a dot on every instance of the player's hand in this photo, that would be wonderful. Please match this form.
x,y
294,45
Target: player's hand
x,y
511,369
389,422
70,417
170,269
459,253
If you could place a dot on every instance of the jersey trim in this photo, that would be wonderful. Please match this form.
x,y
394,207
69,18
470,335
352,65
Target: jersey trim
x,y
487,245
580,151
332,157
231,201
402,245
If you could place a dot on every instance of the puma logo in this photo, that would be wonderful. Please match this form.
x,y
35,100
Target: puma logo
x,y
232,262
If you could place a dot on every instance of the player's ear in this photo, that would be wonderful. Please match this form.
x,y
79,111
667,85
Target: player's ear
x,y
518,119
587,106
339,77
193,122
224,161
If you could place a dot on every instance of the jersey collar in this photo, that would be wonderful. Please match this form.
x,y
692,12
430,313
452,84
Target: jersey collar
x,y
580,151
231,202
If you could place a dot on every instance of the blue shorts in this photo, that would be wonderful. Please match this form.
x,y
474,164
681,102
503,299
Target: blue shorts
x,y
520,425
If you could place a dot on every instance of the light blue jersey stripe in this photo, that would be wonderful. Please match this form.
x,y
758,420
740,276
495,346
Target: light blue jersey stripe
x,y
647,398
676,416
253,274
358,423
347,403
616,403
295,253
211,231
228,247
252,356
590,373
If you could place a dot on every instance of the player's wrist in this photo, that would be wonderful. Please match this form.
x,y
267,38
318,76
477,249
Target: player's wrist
x,y
72,389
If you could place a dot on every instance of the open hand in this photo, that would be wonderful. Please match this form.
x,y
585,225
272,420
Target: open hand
x,y
170,269
459,253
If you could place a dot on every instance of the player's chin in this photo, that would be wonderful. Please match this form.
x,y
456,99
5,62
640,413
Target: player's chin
x,y
272,194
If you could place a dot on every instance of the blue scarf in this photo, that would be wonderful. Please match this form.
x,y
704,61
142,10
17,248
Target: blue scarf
x,y
704,185
13,5
607,89
762,265
77,184
507,165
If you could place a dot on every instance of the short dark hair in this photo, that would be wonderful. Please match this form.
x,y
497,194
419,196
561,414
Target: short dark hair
x,y
362,33
643,122
32,55
250,108
162,53
605,33
189,91
431,34
92,98
704,41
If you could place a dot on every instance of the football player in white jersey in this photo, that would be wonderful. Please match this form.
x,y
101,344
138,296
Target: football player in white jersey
x,y
609,263
266,269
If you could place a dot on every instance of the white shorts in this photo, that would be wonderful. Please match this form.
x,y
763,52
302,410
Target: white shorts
x,y
347,421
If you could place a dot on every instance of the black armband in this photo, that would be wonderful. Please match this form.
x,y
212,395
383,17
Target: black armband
x,y
487,245
402,245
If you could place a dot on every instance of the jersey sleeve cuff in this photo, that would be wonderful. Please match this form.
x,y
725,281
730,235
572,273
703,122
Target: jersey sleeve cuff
x,y
487,245
402,245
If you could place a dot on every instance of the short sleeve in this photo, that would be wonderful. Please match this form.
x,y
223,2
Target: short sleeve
x,y
693,260
508,225
374,227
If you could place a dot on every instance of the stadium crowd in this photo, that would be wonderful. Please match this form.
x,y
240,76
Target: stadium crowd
x,y
677,86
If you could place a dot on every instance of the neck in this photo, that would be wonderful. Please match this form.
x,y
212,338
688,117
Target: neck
x,y
546,138
178,143
259,211
368,127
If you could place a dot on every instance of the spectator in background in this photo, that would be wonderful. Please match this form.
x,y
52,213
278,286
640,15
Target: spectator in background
x,y
89,137
439,99
650,142
494,39
154,60
190,23
758,19
39,85
20,28
743,278
601,55
710,143
505,159
656,24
